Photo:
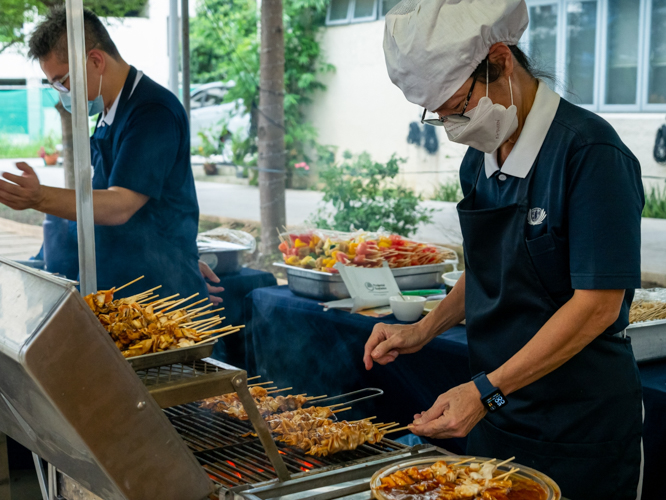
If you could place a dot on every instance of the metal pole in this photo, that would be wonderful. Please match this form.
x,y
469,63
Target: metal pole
x,y
185,19
173,46
5,484
82,166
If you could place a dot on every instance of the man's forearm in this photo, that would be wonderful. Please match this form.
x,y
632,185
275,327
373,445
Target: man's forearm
x,y
566,333
449,313
62,203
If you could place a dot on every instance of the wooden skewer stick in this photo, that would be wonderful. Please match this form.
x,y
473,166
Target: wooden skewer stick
x,y
147,298
147,292
385,429
261,383
202,308
339,404
398,429
386,423
219,330
163,300
195,303
342,409
217,337
179,302
507,474
202,322
114,290
254,378
368,418
207,329
464,461
206,312
280,390
505,462
312,398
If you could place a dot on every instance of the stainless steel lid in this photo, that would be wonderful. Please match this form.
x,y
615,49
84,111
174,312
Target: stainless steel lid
x,y
68,394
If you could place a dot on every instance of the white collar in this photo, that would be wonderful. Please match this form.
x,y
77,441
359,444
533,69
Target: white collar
x,y
527,147
108,117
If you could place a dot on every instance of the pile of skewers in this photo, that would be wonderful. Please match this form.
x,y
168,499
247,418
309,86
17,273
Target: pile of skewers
x,y
647,310
144,323
460,480
310,429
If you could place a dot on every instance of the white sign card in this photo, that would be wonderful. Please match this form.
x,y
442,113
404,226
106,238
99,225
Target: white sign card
x,y
368,287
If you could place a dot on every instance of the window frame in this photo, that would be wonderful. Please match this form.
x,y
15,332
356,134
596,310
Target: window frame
x,y
600,66
647,28
350,19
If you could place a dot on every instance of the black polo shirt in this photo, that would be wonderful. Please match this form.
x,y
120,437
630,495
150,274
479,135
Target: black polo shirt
x,y
587,188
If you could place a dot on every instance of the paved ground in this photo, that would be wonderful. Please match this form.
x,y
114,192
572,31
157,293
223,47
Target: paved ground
x,y
242,202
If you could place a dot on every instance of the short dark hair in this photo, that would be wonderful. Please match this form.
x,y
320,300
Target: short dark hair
x,y
51,35
495,70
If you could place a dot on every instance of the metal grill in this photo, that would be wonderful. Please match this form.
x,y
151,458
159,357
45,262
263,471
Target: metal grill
x,y
231,456
177,372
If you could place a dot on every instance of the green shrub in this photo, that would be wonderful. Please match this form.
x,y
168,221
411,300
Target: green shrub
x,y
655,203
449,191
10,149
363,194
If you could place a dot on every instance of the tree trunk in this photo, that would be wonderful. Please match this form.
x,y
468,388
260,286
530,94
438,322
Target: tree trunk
x,y
270,132
67,145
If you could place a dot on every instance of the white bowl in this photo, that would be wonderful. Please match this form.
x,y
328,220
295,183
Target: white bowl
x,y
407,308
450,279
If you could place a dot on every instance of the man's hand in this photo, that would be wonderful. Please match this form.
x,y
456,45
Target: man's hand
x,y
208,274
454,414
388,341
25,192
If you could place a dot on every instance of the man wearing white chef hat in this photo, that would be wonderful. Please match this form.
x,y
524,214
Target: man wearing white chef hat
x,y
551,228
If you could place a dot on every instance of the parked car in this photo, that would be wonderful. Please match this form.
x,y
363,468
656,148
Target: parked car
x,y
660,145
209,113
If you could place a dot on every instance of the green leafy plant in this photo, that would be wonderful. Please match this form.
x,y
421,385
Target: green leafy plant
x,y
360,193
449,191
655,203
225,47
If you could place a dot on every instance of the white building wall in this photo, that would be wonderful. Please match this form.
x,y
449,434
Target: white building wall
x,y
362,110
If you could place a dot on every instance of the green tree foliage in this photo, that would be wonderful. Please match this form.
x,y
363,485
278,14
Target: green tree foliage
x,y
15,13
225,47
363,194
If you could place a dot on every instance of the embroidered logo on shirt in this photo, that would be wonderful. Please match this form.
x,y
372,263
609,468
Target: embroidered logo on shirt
x,y
536,216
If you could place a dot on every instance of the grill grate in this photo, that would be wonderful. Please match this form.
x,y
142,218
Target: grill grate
x,y
232,459
176,372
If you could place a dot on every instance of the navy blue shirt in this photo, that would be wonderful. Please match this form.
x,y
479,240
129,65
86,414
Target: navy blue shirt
x,y
147,150
589,185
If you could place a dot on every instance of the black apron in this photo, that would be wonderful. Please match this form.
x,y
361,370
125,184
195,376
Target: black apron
x,y
136,248
580,424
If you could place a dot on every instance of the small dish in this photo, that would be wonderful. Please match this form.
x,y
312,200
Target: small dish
x,y
407,308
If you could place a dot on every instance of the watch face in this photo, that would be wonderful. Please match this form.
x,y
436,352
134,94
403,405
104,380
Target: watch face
x,y
495,401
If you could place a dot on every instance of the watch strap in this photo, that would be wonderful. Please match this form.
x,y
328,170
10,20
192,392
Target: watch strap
x,y
483,385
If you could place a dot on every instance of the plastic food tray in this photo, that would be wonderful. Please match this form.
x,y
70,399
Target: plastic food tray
x,y
550,487
327,286
648,340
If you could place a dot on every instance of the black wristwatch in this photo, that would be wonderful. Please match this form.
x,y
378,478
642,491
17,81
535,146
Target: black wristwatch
x,y
491,397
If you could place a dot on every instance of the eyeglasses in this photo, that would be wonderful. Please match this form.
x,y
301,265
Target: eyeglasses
x,y
59,84
455,118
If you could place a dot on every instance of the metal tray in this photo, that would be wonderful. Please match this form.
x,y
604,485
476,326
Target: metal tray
x,y
222,261
648,340
326,286
180,355
550,487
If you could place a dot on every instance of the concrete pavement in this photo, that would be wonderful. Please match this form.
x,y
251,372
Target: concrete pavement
x,y
242,202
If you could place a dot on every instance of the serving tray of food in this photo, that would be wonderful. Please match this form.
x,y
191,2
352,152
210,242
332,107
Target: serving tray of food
x,y
310,257
647,327
462,478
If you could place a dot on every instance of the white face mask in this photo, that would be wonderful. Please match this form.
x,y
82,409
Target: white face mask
x,y
489,125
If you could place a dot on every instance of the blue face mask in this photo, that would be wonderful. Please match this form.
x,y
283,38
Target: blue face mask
x,y
95,106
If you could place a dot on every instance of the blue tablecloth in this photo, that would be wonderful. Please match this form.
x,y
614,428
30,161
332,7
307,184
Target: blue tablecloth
x,y
236,287
293,342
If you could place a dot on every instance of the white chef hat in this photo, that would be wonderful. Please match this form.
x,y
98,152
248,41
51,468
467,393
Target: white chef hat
x,y
433,46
